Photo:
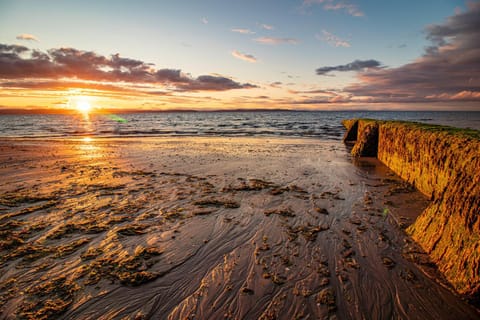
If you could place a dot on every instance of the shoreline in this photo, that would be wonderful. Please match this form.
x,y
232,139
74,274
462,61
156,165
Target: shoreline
x,y
263,227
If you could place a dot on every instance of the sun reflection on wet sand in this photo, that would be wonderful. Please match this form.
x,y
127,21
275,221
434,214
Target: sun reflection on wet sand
x,y
90,148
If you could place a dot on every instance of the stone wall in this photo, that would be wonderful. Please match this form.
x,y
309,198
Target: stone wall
x,y
444,164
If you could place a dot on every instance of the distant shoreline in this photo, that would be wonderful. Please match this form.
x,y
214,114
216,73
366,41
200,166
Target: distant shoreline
x,y
12,111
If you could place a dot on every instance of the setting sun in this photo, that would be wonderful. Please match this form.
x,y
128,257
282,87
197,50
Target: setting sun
x,y
83,106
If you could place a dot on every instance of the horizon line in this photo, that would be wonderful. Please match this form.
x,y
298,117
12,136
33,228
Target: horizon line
x,y
58,111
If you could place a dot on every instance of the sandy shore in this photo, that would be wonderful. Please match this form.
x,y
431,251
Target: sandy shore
x,y
207,228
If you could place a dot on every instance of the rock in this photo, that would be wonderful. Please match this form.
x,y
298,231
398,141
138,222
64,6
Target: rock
x,y
247,291
388,262
326,297
321,210
443,163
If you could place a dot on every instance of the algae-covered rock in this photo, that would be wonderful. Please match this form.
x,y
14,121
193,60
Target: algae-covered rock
x,y
443,163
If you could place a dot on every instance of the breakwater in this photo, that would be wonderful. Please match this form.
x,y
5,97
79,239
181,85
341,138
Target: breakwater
x,y
444,164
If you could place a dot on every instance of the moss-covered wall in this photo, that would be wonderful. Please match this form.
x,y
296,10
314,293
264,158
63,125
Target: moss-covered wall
x,y
444,164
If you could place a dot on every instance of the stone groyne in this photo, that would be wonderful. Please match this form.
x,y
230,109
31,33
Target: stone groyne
x,y
444,164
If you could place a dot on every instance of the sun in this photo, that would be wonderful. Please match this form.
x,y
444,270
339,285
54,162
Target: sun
x,y
83,106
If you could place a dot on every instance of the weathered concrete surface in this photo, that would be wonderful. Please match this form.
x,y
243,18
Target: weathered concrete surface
x,y
444,164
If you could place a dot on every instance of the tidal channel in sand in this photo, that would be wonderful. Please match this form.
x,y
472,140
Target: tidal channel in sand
x,y
209,228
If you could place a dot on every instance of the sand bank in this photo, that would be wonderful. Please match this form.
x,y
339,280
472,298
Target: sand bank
x,y
206,228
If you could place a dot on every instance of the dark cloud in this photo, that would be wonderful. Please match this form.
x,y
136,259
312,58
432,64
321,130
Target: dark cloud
x,y
315,91
357,65
448,71
213,83
170,76
13,48
465,25
276,84
21,63
119,62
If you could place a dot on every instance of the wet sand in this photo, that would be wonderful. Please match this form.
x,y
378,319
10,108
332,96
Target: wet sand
x,y
210,228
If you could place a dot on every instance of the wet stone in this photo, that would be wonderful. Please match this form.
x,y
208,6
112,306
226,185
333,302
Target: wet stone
x,y
388,262
327,297
247,291
322,210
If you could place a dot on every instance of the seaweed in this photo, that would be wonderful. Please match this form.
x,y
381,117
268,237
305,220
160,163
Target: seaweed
x,y
130,270
215,202
71,247
49,299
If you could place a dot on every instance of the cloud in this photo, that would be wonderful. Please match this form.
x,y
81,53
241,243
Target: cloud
x,y
448,71
332,39
7,50
39,84
276,84
275,41
316,91
267,26
19,64
357,65
242,31
324,99
244,56
213,83
335,5
26,36
204,20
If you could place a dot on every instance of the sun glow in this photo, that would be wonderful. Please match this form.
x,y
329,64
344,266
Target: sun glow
x,y
83,105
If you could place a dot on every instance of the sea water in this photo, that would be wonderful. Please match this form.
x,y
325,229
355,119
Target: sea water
x,y
322,124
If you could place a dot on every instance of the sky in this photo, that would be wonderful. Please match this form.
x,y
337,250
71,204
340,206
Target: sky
x,y
221,54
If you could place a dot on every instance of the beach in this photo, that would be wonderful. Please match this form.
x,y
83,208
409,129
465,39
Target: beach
x,y
210,228
307,159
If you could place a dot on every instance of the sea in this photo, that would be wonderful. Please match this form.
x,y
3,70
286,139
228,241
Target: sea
x,y
324,125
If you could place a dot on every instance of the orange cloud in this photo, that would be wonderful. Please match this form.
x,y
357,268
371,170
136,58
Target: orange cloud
x,y
18,63
26,36
244,56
